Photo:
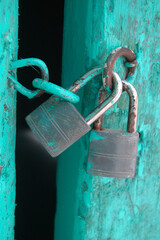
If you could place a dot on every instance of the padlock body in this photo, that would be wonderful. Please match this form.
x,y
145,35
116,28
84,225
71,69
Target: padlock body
x,y
57,125
113,153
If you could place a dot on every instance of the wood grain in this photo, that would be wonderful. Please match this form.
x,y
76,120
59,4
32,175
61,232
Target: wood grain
x,y
90,207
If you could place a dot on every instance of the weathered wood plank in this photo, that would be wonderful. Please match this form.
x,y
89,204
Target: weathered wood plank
x,y
8,52
107,208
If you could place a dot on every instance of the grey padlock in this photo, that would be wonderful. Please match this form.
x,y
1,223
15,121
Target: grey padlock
x,y
57,124
112,152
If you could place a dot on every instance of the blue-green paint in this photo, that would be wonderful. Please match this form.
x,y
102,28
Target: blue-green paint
x,y
27,62
8,53
23,90
87,77
99,208
95,136
40,83
127,64
108,89
51,144
56,90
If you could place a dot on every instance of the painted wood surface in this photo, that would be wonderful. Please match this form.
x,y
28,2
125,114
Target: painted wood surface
x,y
8,53
90,207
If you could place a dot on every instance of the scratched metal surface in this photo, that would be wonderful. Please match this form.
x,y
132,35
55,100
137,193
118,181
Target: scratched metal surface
x,y
8,52
97,208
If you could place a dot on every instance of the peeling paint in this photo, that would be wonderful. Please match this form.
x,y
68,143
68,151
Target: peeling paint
x,y
8,53
116,209
95,136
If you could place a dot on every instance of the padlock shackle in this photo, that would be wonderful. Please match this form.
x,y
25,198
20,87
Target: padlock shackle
x,y
133,108
106,104
87,77
111,59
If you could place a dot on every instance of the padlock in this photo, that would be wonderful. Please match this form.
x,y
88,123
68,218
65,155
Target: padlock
x,y
57,124
112,153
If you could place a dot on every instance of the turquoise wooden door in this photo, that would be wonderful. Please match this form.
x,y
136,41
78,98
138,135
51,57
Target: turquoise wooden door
x,y
8,53
99,208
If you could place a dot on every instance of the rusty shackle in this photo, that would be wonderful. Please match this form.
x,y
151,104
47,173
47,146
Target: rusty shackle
x,y
133,107
108,67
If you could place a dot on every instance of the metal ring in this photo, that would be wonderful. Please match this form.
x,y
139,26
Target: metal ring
x,y
23,90
26,63
42,84
108,67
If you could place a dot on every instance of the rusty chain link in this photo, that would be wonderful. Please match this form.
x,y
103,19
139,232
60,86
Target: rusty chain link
x,y
108,66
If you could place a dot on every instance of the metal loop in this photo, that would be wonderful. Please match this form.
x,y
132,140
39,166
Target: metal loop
x,y
133,107
23,90
107,103
108,67
26,63
42,84
82,81
131,64
56,90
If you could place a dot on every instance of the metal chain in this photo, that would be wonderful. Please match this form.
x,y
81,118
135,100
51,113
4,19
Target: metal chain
x,y
107,75
27,63
42,83
44,86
